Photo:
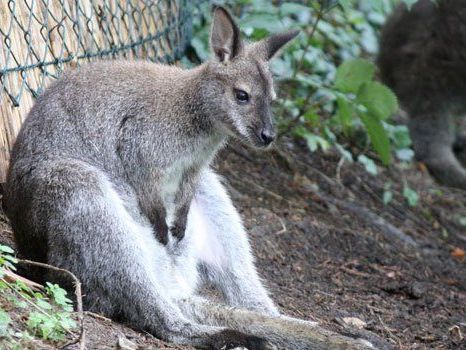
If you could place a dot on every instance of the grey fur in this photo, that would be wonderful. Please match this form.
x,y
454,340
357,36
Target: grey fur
x,y
422,55
111,146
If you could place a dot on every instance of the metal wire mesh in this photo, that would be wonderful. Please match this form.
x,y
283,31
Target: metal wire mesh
x,y
38,37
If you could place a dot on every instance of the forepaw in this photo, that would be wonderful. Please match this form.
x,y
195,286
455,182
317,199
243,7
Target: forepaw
x,y
161,233
178,231
231,339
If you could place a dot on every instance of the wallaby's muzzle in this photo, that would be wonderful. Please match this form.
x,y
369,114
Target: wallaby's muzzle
x,y
267,136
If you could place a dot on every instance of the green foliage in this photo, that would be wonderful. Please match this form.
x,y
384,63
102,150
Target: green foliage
x,y
4,322
328,93
411,196
387,193
379,100
369,100
7,260
352,74
368,163
50,326
46,314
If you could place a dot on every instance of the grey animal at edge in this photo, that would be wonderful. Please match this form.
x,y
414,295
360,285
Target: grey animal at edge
x,y
83,185
422,58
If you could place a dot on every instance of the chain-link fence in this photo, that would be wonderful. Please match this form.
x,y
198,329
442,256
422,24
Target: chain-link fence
x,y
40,38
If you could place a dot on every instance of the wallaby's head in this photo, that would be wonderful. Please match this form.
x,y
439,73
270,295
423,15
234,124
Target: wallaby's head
x,y
240,87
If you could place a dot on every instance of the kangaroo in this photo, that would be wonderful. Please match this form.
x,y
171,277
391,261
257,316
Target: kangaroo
x,y
422,58
109,145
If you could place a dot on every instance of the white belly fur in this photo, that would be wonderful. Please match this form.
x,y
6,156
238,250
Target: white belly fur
x,y
175,265
208,248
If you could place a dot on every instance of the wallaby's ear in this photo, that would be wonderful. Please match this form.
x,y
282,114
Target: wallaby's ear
x,y
225,38
268,47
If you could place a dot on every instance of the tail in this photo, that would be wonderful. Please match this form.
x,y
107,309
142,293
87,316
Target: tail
x,y
282,331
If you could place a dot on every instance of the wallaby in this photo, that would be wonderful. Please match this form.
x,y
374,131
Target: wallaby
x,y
109,145
422,58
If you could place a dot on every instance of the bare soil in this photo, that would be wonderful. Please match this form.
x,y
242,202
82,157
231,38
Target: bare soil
x,y
329,248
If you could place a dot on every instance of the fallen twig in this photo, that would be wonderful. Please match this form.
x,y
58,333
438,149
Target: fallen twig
x,y
338,171
10,276
97,316
283,229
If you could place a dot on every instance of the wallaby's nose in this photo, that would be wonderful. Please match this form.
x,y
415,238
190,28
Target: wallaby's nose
x,y
267,136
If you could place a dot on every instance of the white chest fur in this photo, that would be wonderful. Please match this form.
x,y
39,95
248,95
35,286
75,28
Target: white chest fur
x,y
201,154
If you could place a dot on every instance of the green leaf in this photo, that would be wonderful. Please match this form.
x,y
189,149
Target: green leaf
x,y
378,137
201,48
346,4
378,99
58,294
387,197
344,153
35,319
344,112
4,322
266,21
405,154
351,74
311,116
6,249
43,304
281,68
67,322
315,141
326,5
411,196
368,163
291,8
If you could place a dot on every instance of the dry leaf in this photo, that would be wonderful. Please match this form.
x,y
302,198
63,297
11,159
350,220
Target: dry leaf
x,y
458,253
422,167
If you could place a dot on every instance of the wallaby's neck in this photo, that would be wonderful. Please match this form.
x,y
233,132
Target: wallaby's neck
x,y
199,106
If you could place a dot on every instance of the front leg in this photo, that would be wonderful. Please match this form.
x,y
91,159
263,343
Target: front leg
x,y
178,227
183,199
160,224
157,215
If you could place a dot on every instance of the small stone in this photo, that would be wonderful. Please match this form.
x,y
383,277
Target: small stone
x,y
355,322
125,344
391,274
418,290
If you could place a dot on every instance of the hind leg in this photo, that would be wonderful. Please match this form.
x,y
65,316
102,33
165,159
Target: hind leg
x,y
433,139
96,233
227,261
282,331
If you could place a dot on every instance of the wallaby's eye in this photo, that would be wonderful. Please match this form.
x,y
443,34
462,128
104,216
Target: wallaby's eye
x,y
241,96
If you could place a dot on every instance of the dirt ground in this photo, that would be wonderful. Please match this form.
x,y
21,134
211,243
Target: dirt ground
x,y
329,248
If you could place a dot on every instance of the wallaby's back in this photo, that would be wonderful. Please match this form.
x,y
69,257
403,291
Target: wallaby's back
x,y
81,114
423,50
422,58
81,118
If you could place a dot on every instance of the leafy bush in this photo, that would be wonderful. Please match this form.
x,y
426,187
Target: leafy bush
x,y
45,314
328,95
